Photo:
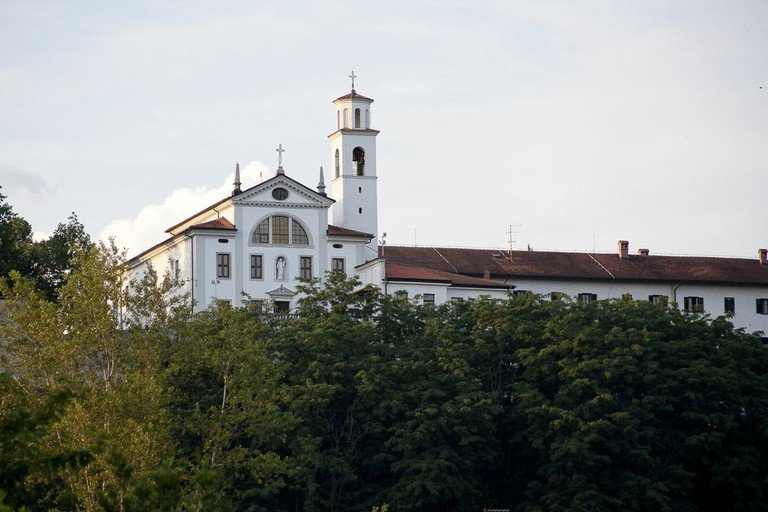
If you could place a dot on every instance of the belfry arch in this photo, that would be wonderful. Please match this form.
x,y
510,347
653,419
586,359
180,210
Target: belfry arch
x,y
358,159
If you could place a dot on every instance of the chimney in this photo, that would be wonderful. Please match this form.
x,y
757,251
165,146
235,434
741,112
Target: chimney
x,y
486,274
623,249
762,255
643,252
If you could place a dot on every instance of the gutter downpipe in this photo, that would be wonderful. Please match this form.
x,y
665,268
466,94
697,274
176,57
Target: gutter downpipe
x,y
674,294
192,273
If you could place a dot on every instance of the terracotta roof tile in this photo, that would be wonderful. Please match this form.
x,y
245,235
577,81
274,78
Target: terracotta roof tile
x,y
220,223
339,231
401,272
580,266
353,96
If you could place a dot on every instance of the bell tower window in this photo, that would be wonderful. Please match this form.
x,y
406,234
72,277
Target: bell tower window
x,y
337,163
357,118
358,158
346,117
367,119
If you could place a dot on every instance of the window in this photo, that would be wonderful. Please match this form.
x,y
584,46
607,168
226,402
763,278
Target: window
x,y
338,119
367,119
280,230
428,299
586,298
282,306
520,293
358,159
337,265
691,304
729,304
401,294
257,305
261,235
336,157
762,306
656,299
175,269
346,117
556,296
222,264
357,118
257,266
298,235
305,267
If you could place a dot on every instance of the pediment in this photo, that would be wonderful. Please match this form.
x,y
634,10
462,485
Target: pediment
x,y
298,195
281,292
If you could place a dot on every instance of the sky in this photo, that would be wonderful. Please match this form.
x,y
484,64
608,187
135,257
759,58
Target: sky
x,y
581,123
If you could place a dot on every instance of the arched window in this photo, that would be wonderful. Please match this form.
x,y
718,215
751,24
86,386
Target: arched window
x,y
367,119
358,158
337,163
346,117
357,118
280,230
298,234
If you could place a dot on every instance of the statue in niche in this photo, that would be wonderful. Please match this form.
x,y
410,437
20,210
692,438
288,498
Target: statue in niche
x,y
280,268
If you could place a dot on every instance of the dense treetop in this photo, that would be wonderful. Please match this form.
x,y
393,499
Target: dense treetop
x,y
118,398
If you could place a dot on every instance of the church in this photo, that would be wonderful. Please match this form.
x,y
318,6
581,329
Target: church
x,y
256,243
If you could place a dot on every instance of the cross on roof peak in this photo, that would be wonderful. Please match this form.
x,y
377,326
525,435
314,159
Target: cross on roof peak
x,y
353,76
280,152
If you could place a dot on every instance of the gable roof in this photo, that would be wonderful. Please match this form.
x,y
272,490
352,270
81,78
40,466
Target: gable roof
x,y
340,231
402,272
580,266
266,183
220,223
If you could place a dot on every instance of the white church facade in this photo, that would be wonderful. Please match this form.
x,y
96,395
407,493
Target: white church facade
x,y
256,243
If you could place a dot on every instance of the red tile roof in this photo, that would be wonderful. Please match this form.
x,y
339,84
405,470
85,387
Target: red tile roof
x,y
401,272
353,96
339,231
580,266
220,223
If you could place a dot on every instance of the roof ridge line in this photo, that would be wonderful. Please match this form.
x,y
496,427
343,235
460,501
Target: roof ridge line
x,y
601,266
446,260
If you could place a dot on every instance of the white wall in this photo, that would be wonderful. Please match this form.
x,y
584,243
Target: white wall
x,y
713,295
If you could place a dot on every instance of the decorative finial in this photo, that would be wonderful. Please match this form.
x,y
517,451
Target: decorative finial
x,y
353,76
321,184
280,152
237,190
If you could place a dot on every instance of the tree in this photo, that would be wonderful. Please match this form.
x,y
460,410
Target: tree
x,y
54,258
15,241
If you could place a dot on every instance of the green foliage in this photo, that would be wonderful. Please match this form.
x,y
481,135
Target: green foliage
x,y
55,258
15,241
115,397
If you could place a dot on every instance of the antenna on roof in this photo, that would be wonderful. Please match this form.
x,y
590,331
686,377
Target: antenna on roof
x,y
511,233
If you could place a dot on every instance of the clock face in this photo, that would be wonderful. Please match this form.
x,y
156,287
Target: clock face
x,y
280,194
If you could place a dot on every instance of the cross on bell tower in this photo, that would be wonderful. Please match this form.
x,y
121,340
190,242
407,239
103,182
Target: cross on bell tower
x,y
353,175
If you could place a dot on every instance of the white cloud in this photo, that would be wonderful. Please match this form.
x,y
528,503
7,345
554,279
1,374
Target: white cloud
x,y
148,226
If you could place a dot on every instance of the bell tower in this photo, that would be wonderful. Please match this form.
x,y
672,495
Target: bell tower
x,y
353,167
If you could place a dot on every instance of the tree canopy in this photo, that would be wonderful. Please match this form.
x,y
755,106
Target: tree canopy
x,y
115,397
